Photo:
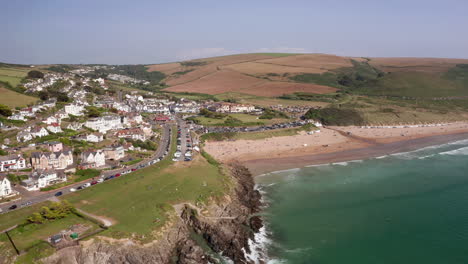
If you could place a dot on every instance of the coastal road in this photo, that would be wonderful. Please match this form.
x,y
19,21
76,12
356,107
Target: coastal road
x,y
50,195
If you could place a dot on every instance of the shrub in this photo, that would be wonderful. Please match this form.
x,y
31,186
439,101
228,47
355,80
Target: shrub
x,y
5,110
335,116
35,74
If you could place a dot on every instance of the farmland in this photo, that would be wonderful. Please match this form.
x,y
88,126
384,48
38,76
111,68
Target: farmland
x,y
14,99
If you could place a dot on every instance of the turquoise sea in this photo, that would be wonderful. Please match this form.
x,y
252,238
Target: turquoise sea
x,y
404,208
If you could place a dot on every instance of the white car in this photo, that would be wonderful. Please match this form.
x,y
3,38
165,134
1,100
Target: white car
x,y
72,190
86,185
174,159
100,180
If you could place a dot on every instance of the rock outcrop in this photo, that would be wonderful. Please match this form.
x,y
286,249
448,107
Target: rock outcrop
x,y
225,226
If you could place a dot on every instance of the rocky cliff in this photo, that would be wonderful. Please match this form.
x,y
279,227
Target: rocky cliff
x,y
224,226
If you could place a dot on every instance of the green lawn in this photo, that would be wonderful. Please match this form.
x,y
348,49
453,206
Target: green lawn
x,y
14,72
13,81
141,201
18,216
29,235
248,120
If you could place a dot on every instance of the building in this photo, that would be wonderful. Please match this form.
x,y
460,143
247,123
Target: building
x,y
12,162
75,126
162,118
5,187
92,159
51,160
74,109
231,108
132,119
43,178
54,128
105,123
131,133
38,131
54,146
51,119
95,137
24,136
114,152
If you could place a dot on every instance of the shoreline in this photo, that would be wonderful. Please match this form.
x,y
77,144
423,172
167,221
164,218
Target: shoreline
x,y
267,165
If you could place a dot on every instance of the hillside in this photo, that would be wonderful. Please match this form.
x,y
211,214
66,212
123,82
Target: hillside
x,y
270,75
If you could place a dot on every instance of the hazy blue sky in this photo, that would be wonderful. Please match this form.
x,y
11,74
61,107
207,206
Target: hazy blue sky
x,y
119,32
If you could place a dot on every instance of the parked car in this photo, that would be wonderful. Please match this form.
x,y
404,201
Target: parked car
x,y
94,182
118,175
13,207
58,194
87,184
100,180
134,169
80,187
72,190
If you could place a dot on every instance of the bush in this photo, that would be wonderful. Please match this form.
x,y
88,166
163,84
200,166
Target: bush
x,y
210,114
35,74
270,114
56,210
5,110
335,116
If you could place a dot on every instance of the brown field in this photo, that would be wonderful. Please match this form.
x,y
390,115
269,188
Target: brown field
x,y
218,82
212,66
322,62
258,68
165,68
273,89
429,65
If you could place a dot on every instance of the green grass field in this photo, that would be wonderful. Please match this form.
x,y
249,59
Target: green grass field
x,y
29,235
414,84
140,202
12,75
13,99
248,120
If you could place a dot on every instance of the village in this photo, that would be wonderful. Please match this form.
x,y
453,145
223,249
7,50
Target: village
x,y
97,130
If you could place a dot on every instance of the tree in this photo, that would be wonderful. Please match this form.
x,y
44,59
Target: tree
x,y
43,95
62,97
35,74
93,112
36,218
5,110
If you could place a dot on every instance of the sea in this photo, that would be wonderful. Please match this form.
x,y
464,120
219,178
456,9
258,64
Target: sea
x,y
403,208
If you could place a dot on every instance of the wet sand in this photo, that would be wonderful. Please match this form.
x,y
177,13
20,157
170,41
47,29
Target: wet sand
x,y
265,165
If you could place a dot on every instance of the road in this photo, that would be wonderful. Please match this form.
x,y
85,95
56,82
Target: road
x,y
43,196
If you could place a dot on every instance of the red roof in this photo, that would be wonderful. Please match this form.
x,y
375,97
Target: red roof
x,y
162,118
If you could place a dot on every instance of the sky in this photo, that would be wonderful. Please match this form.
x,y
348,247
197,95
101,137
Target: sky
x,y
144,32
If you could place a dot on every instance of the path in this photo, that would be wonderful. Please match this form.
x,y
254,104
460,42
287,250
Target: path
x,y
105,221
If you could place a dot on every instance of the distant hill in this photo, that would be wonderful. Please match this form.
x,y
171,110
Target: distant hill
x,y
272,75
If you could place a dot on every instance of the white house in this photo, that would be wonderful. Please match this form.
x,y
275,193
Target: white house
x,y
94,137
24,136
105,123
131,133
43,178
93,159
5,186
38,132
74,126
51,119
74,109
114,152
17,116
54,128
12,162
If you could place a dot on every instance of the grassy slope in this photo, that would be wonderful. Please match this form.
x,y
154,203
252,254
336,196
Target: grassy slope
x,y
14,99
140,202
245,118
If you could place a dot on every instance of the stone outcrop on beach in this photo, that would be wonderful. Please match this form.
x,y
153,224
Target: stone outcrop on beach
x,y
225,226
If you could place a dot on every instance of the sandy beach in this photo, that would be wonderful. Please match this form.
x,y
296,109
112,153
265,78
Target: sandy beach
x,y
333,144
